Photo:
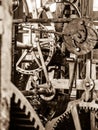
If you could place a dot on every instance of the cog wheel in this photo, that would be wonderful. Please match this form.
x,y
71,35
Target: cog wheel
x,y
22,112
77,116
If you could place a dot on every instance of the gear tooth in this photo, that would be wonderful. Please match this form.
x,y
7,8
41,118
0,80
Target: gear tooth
x,y
27,112
53,128
67,116
89,108
16,99
96,109
57,122
68,112
61,118
21,105
64,115
54,125
92,108
82,108
86,109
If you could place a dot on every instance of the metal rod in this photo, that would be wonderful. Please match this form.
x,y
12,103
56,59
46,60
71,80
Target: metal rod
x,y
76,118
43,63
88,68
52,20
41,20
73,77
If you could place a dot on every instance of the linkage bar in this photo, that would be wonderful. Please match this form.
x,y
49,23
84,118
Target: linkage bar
x,y
40,20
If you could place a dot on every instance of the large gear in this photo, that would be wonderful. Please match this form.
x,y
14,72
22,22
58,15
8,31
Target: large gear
x,y
81,106
86,105
23,105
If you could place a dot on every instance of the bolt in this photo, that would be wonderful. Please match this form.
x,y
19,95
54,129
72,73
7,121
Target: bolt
x,y
78,49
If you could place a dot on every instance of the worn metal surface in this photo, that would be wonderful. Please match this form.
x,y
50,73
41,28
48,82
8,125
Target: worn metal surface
x,y
80,36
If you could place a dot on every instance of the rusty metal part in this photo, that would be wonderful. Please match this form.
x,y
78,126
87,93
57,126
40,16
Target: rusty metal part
x,y
80,36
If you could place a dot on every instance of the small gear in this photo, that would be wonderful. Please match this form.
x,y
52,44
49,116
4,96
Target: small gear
x,y
66,121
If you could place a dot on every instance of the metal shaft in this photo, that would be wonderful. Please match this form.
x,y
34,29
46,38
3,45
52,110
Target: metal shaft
x,y
76,118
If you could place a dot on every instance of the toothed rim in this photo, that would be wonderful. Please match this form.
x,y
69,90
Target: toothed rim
x,y
24,103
